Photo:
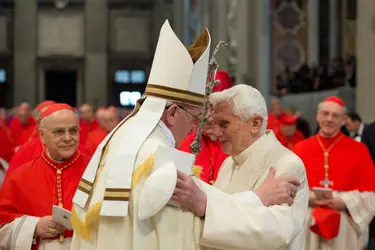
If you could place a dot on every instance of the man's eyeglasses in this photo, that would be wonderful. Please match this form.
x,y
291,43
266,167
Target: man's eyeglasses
x,y
58,132
196,118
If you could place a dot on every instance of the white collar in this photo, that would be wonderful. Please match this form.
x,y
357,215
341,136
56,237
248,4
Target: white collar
x,y
360,129
261,144
167,132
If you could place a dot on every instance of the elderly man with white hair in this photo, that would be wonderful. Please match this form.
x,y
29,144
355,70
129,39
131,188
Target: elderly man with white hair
x,y
236,212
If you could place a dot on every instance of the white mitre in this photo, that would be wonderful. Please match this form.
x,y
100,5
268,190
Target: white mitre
x,y
178,74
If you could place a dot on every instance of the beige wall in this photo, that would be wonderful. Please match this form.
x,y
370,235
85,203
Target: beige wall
x,y
365,103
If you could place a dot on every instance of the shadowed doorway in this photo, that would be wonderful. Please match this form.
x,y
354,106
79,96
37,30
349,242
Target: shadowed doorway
x,y
61,86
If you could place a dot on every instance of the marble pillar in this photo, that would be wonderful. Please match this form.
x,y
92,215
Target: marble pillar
x,y
263,34
246,39
178,19
365,90
313,32
333,28
96,34
25,52
219,30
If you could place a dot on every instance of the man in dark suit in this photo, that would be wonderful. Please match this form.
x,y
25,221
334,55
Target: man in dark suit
x,y
355,126
368,138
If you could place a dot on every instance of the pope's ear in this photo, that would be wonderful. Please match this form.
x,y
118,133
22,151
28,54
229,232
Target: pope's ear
x,y
171,112
256,123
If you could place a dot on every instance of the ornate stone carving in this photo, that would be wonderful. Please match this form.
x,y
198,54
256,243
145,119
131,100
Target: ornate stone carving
x,y
289,17
60,4
232,30
289,53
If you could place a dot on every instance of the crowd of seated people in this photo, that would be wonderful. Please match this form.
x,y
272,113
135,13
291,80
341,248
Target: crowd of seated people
x,y
336,73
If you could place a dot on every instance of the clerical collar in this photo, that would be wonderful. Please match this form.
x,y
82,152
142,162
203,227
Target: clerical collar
x,y
242,157
328,141
167,133
60,165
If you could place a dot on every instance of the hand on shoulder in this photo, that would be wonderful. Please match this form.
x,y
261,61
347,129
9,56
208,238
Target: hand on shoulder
x,y
278,190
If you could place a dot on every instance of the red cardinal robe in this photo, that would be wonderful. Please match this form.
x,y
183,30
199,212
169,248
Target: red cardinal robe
x,y
21,131
289,142
95,138
350,167
7,144
29,151
32,189
86,129
273,122
210,158
30,135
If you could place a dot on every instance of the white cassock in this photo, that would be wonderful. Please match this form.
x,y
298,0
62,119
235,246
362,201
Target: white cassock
x,y
18,235
172,228
238,219
353,231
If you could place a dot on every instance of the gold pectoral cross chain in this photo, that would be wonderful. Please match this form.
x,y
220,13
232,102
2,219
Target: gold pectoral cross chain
x,y
326,182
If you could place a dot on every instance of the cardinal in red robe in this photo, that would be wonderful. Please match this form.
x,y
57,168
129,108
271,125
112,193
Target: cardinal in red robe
x,y
108,120
211,157
7,149
30,135
287,133
275,115
30,192
87,122
3,117
336,162
23,125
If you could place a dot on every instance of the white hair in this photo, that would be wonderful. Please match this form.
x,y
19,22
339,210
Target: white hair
x,y
247,102
320,106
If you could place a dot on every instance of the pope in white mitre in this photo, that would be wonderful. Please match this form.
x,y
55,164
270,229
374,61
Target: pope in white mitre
x,y
109,211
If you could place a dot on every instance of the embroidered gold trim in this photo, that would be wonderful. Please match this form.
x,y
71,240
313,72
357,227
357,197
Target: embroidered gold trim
x,y
83,228
174,94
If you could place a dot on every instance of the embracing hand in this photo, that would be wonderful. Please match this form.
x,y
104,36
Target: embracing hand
x,y
189,195
47,228
277,191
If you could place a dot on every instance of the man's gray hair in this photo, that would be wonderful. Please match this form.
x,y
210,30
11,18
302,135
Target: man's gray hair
x,y
321,104
247,102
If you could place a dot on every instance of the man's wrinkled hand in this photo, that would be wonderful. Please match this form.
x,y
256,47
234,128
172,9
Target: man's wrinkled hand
x,y
189,195
337,203
315,202
46,228
277,191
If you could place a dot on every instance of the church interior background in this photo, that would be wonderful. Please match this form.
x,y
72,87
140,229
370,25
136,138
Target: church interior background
x,y
100,51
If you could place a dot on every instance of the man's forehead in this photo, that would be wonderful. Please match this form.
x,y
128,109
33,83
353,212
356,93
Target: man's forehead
x,y
85,107
332,108
223,109
62,117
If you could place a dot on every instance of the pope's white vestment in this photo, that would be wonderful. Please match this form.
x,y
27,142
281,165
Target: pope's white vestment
x,y
238,219
113,208
171,229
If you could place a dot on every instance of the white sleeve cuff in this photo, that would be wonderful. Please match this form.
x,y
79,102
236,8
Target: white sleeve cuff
x,y
248,197
23,232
